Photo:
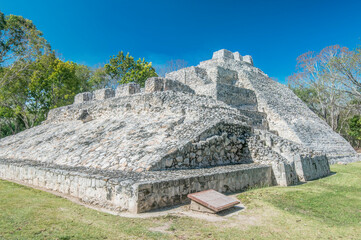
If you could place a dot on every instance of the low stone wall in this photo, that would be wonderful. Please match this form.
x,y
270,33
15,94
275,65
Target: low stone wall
x,y
228,179
127,89
156,84
311,167
134,192
301,165
192,76
102,94
83,97
92,189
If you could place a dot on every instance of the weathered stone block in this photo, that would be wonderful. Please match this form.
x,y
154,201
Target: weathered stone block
x,y
237,56
284,173
102,94
248,59
83,97
157,84
237,97
127,89
222,75
199,208
310,168
222,54
191,76
154,84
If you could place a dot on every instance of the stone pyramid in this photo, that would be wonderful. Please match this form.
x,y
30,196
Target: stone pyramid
x,y
221,125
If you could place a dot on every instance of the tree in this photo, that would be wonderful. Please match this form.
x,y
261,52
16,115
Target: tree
x,y
100,79
349,67
56,82
355,126
309,96
20,42
125,69
84,74
34,80
171,66
317,74
329,83
48,83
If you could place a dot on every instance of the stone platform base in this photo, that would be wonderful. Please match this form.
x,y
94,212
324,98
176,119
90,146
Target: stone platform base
x,y
134,192
199,208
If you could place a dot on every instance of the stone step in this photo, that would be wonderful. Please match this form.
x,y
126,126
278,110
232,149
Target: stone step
x,y
258,119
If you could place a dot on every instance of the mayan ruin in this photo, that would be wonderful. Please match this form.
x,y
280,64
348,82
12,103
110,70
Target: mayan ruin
x,y
222,125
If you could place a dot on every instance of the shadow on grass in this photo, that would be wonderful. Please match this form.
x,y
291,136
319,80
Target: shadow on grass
x,y
230,211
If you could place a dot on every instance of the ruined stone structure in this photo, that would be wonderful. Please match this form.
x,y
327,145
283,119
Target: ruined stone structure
x,y
222,125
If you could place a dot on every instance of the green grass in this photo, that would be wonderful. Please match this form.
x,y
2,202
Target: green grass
x,y
335,200
329,208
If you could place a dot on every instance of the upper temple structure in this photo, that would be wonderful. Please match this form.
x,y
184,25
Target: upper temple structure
x,y
222,125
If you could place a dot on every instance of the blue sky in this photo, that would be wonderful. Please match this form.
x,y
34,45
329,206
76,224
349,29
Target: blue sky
x,y
273,32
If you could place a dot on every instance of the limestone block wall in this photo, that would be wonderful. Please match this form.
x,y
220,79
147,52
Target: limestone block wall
x,y
138,192
218,83
237,56
301,164
167,193
226,143
220,144
83,97
195,77
221,75
259,119
309,168
156,84
191,76
236,97
225,54
284,173
95,190
248,59
127,89
104,93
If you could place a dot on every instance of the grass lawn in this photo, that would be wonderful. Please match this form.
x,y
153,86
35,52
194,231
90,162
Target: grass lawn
x,y
329,208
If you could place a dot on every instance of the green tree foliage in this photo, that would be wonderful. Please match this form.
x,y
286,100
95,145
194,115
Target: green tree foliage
x,y
48,83
34,80
20,43
307,95
84,74
54,83
355,127
100,79
125,69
